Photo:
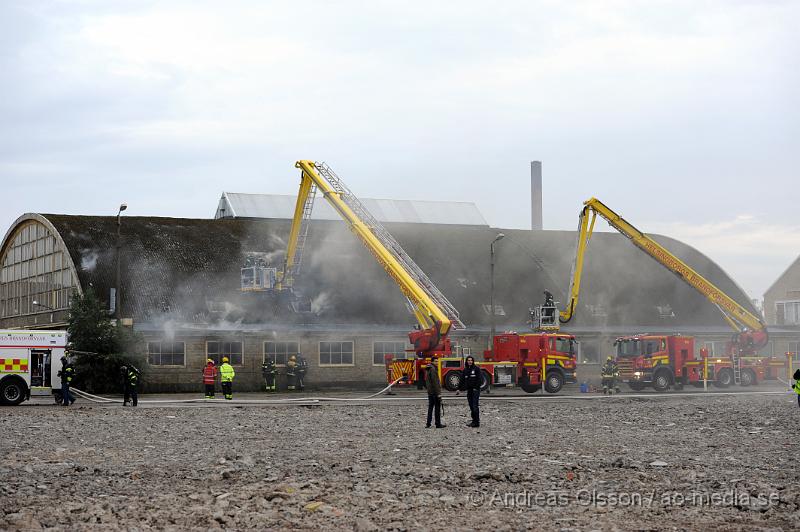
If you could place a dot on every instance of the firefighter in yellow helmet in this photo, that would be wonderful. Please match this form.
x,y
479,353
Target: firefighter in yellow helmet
x,y
209,378
226,375
291,373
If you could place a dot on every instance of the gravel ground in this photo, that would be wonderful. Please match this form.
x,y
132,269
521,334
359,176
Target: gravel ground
x,y
711,463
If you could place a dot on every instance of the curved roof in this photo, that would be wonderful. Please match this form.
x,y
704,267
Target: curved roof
x,y
188,270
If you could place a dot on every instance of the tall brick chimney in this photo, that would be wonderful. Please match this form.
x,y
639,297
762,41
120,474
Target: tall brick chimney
x,y
536,195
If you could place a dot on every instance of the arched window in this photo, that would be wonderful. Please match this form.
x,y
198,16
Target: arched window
x,y
34,269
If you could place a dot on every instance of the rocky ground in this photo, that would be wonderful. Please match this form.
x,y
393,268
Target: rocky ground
x,y
684,462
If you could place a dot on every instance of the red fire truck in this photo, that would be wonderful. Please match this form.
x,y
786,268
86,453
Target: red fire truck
x,y
525,360
664,361
669,360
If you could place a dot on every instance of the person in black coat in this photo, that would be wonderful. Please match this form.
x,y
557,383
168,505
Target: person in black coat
x,y
434,386
471,380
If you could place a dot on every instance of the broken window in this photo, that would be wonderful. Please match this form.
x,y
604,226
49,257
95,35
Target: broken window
x,y
498,310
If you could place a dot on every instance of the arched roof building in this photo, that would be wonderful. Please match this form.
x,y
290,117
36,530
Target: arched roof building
x,y
182,277
184,269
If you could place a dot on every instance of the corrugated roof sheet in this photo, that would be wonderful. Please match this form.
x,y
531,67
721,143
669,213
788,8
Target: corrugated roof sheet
x,y
275,206
182,269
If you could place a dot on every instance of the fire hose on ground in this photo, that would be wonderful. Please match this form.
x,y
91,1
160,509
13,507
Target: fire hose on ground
x,y
289,400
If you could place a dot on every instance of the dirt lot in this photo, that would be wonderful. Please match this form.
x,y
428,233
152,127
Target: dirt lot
x,y
713,463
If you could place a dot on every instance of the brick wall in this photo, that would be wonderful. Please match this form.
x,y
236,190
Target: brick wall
x,y
362,373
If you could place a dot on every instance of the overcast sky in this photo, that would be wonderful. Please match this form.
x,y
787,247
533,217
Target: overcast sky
x,y
682,116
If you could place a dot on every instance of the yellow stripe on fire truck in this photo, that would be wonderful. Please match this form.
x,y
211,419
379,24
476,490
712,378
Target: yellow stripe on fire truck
x,y
14,365
401,368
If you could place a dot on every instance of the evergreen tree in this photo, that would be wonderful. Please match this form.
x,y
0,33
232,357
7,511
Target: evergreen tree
x,y
100,347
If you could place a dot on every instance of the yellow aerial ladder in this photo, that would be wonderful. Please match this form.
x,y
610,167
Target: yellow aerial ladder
x,y
751,332
435,314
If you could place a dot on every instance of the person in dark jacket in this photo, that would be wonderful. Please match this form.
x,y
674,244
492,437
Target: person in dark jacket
x,y
610,373
67,373
434,387
302,367
269,372
471,380
130,383
796,386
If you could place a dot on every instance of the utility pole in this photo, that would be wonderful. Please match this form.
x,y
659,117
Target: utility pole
x,y
499,237
118,289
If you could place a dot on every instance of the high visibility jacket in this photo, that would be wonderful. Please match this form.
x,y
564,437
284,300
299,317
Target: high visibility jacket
x,y
66,374
209,374
226,373
610,370
797,387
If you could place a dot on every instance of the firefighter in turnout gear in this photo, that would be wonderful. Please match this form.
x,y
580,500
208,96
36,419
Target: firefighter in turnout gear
x,y
300,370
209,378
226,375
130,382
67,373
796,386
610,373
291,373
269,372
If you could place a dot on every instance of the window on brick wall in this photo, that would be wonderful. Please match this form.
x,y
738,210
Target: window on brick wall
x,y
381,349
794,348
336,353
166,353
787,312
280,351
215,350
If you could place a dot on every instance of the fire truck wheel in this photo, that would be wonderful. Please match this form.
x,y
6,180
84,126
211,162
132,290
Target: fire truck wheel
x,y
747,378
724,378
554,381
452,381
12,391
661,381
486,382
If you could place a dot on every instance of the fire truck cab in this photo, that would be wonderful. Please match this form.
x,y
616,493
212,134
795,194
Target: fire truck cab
x,y
665,361
29,364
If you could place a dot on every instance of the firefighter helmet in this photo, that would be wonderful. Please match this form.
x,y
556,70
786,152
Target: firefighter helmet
x,y
225,359
609,359
209,361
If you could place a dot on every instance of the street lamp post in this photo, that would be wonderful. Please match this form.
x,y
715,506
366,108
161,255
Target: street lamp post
x,y
499,237
38,304
118,289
